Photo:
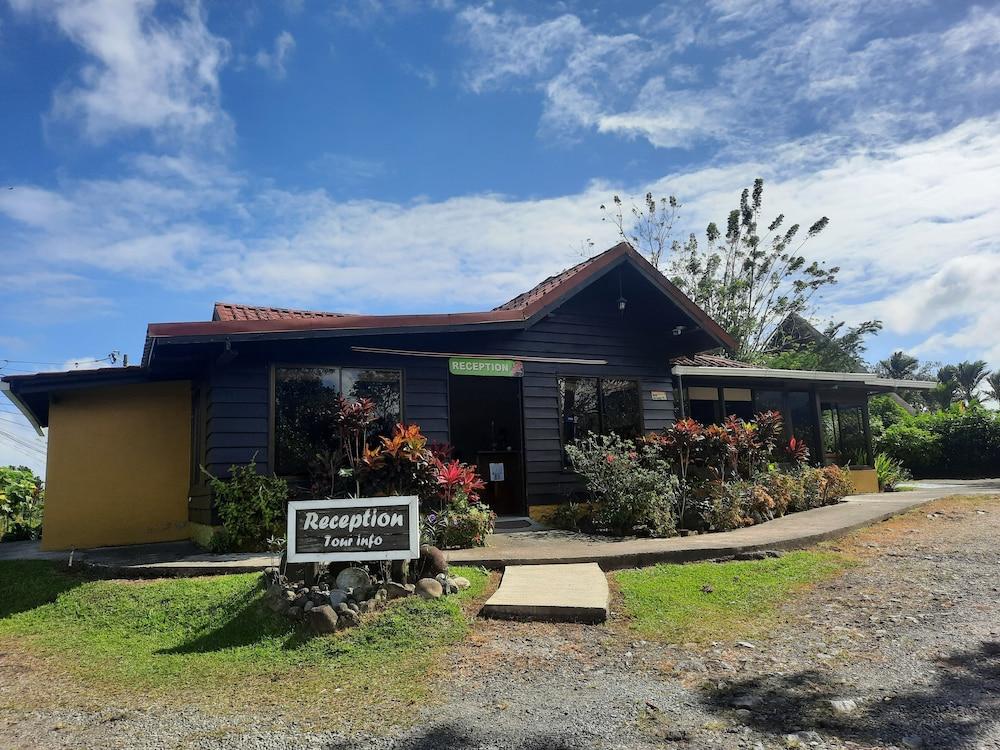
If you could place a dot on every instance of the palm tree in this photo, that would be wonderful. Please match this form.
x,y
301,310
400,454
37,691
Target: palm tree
x,y
899,366
968,376
941,396
993,386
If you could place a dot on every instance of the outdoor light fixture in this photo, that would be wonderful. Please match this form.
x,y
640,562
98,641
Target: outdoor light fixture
x,y
621,298
678,330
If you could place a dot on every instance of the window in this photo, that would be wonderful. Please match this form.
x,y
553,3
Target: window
x,y
738,403
305,402
801,412
622,407
844,439
599,405
703,405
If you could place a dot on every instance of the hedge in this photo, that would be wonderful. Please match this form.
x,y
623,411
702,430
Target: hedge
x,y
952,444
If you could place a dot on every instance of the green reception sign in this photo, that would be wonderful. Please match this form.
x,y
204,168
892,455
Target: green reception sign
x,y
496,368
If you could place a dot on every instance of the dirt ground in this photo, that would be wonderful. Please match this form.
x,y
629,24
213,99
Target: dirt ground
x,y
902,650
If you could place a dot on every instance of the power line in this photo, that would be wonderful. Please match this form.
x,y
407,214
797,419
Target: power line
x,y
23,445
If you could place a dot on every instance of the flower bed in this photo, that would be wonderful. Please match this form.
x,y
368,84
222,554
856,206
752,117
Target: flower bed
x,y
691,478
252,506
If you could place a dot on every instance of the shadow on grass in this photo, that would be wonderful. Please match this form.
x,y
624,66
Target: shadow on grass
x,y
249,622
29,584
949,713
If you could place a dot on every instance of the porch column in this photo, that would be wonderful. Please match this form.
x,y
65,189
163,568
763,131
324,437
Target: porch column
x,y
818,426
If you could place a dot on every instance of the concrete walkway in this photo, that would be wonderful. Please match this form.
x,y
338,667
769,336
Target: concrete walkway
x,y
535,547
788,532
552,593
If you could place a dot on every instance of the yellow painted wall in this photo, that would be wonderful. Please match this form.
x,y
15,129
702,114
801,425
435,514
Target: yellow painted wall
x,y
119,466
865,481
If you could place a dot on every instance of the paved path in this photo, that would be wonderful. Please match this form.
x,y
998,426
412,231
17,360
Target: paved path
x,y
551,593
547,547
789,532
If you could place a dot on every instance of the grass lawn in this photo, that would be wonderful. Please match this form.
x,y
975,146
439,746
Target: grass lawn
x,y
701,602
210,640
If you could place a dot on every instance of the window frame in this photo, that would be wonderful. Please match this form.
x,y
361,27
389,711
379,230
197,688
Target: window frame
x,y
600,407
272,402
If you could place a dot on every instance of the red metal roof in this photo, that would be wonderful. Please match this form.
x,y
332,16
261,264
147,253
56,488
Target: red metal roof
x,y
231,311
242,319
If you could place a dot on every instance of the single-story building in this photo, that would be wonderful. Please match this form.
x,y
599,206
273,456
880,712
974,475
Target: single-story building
x,y
607,345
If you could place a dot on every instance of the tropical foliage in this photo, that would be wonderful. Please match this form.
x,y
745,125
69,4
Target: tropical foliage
x,y
890,472
631,485
22,496
698,478
749,277
959,442
362,463
251,507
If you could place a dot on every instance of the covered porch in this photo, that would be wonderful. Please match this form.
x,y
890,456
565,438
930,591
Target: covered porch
x,y
828,411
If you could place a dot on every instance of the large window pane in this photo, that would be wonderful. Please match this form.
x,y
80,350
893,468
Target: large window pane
x,y
383,387
305,401
853,446
578,408
622,407
803,417
305,404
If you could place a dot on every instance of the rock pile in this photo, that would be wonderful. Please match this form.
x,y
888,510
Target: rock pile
x,y
340,603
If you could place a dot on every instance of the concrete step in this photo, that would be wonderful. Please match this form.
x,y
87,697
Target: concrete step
x,y
551,593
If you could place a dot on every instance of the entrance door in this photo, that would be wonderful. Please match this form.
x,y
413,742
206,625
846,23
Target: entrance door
x,y
485,428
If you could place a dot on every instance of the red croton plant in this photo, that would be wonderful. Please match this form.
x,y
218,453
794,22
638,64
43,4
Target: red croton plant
x,y
403,463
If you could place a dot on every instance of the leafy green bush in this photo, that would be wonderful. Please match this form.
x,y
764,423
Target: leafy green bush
x,y
632,487
569,516
462,523
954,443
22,495
890,472
251,506
786,491
824,486
913,446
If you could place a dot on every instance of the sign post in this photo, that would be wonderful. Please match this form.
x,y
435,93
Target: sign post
x,y
354,529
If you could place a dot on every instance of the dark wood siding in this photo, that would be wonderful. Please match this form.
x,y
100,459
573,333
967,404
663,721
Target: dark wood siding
x,y
637,345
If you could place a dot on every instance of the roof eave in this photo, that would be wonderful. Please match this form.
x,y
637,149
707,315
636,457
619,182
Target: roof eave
x,y
21,407
764,373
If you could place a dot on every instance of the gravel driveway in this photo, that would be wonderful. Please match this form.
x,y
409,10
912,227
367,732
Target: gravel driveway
x,y
903,650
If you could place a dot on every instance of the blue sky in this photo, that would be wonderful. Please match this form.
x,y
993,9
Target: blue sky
x,y
404,156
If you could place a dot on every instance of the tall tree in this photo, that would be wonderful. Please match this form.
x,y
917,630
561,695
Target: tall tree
x,y
748,280
898,366
838,349
968,376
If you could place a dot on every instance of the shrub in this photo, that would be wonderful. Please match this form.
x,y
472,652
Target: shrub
x,y
22,495
462,523
251,506
824,486
631,484
913,446
785,490
569,516
890,472
954,443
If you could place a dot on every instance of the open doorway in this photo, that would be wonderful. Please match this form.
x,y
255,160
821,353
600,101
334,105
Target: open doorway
x,y
485,427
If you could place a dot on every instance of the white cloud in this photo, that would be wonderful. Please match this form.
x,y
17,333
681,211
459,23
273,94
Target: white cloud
x,y
273,61
143,71
907,222
735,72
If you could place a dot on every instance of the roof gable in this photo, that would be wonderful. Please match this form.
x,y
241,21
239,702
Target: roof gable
x,y
231,321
